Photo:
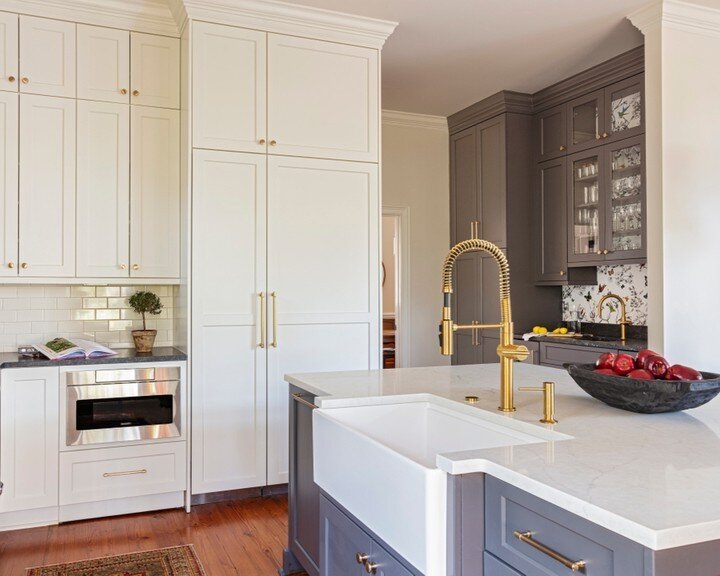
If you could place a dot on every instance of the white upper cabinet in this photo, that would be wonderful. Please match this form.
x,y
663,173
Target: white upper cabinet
x,y
9,183
47,186
103,189
322,99
9,51
229,83
103,64
47,57
154,192
154,70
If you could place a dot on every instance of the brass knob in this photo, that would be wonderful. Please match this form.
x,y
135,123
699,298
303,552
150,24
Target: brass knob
x,y
24,265
273,142
599,252
562,272
136,92
605,251
605,134
123,91
361,558
11,78
136,266
24,80
11,264
261,141
563,148
371,568
123,266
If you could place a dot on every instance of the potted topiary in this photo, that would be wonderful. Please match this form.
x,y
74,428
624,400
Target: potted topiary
x,y
145,303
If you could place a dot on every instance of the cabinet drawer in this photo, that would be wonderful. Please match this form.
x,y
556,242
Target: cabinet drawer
x,y
510,511
94,475
493,567
559,354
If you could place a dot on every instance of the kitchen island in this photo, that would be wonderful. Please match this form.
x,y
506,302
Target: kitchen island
x,y
650,482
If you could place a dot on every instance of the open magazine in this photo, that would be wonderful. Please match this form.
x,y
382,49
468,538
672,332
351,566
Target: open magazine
x,y
62,348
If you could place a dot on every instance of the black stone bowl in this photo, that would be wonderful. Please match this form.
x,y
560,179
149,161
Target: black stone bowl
x,y
645,396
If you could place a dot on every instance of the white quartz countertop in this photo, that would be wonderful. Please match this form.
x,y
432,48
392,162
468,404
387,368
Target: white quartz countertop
x,y
654,479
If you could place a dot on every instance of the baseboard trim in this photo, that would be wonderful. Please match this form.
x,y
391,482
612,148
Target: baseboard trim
x,y
241,494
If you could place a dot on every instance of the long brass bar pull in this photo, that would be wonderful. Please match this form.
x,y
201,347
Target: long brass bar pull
x,y
126,473
274,342
261,295
298,397
527,537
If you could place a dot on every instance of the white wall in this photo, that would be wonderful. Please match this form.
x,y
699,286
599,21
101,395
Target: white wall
x,y
415,175
682,41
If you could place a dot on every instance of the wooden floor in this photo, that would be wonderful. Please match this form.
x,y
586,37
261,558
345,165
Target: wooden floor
x,y
243,538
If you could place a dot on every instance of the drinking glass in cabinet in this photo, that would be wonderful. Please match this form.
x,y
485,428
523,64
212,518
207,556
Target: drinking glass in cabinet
x,y
626,189
585,206
585,122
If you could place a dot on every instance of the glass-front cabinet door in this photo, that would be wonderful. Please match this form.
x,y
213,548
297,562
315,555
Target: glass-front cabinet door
x,y
585,120
586,208
624,167
624,109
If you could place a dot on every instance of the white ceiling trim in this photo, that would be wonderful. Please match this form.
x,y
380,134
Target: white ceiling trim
x,y
291,19
410,120
139,15
679,15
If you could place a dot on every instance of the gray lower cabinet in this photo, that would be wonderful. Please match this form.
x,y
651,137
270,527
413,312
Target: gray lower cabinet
x,y
556,355
510,512
347,549
303,552
495,567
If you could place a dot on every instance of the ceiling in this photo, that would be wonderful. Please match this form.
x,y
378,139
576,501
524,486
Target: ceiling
x,y
448,54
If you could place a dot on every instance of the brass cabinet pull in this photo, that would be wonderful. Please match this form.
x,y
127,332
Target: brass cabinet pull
x,y
25,80
599,252
125,473
360,558
11,78
527,537
299,398
11,264
274,342
123,266
261,141
475,230
273,142
371,568
604,134
123,91
136,92
261,295
136,266
562,272
24,265
563,148
605,251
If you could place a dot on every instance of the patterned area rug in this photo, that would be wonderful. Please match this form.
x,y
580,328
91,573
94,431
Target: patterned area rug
x,y
175,561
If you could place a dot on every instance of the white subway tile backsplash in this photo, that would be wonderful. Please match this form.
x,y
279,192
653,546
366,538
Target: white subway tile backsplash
x,y
37,313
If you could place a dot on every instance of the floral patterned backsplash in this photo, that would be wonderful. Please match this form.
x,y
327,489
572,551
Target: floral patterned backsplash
x,y
627,281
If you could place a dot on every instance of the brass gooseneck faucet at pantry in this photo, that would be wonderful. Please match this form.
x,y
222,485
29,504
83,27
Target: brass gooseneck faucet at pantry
x,y
507,351
623,312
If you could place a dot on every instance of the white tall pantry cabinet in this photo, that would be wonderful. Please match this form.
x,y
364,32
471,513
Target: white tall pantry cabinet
x,y
283,147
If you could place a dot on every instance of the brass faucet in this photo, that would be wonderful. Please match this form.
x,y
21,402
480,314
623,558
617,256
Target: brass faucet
x,y
506,350
623,312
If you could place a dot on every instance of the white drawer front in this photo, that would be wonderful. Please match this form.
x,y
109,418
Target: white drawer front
x,y
94,475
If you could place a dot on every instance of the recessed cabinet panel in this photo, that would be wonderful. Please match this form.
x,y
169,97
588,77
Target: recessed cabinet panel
x,y
551,133
103,190
464,176
229,88
29,438
550,209
155,70
154,193
9,182
47,57
493,184
322,99
9,56
103,56
47,186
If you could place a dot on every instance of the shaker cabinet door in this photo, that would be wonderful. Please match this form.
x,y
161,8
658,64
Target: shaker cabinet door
x,y
342,543
154,193
550,231
9,56
47,186
103,57
551,133
464,183
323,99
103,190
229,88
29,400
47,57
154,70
9,183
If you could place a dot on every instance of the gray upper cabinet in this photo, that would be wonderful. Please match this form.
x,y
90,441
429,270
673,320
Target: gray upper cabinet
x,y
585,121
551,222
464,171
493,183
550,133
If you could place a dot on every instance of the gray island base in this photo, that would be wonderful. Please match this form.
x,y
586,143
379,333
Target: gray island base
x,y
626,495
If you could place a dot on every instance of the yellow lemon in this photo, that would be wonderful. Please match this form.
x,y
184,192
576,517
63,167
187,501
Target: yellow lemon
x,y
556,331
563,330
542,330
536,330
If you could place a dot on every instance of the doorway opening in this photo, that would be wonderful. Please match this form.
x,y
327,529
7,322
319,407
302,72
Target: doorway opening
x,y
393,278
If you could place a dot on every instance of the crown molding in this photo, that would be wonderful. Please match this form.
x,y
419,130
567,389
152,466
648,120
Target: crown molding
x,y
152,16
284,18
410,120
177,9
500,103
678,15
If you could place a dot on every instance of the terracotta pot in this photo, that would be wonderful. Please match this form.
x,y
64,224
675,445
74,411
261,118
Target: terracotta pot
x,y
144,340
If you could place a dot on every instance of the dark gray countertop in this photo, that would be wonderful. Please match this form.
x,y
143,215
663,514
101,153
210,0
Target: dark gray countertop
x,y
630,344
124,356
